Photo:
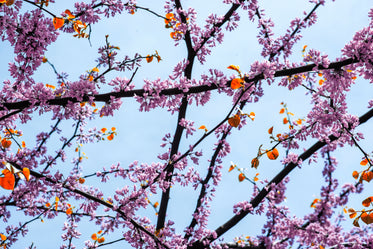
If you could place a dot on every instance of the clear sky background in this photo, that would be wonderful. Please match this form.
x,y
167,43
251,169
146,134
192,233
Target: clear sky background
x,y
139,134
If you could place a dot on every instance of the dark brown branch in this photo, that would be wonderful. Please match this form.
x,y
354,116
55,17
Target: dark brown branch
x,y
171,91
174,149
179,129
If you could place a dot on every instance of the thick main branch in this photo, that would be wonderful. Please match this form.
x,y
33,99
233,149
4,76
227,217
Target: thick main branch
x,y
106,97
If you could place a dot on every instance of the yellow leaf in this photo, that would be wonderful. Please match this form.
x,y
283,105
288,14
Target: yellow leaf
x,y
252,116
233,67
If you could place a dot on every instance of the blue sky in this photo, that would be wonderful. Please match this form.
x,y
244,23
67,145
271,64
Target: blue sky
x,y
139,134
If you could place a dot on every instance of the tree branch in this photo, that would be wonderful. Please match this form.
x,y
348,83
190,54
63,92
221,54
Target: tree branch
x,y
106,97
276,180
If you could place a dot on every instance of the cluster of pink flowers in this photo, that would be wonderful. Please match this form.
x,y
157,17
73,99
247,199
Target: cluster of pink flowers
x,y
141,186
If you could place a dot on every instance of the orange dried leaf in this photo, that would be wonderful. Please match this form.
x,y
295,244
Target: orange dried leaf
x,y
367,218
47,204
110,137
71,16
81,180
231,168
2,236
156,204
23,144
237,83
314,202
364,162
26,173
241,177
356,222
9,2
252,116
273,154
285,120
234,121
103,130
367,201
44,60
282,110
170,16
255,163
352,215
58,22
355,174
367,176
6,143
370,218
7,182
233,67
351,210
149,58
270,130
50,86
202,127
101,240
94,236
69,211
